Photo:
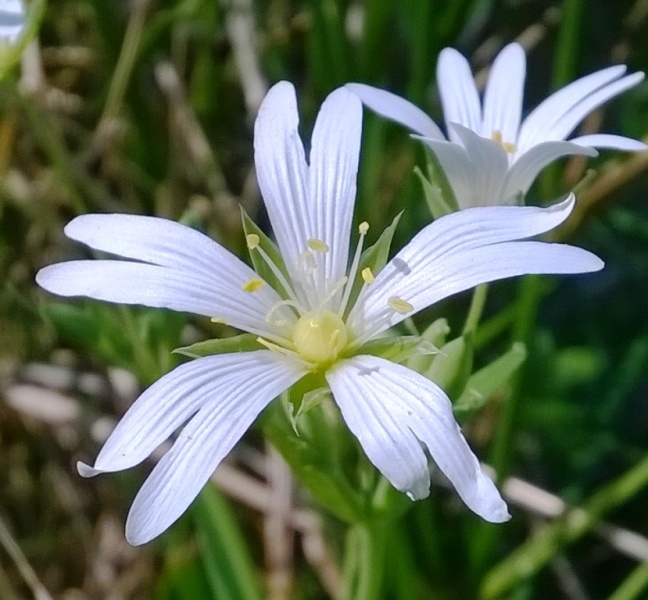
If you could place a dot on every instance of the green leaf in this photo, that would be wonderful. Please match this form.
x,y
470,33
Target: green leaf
x,y
485,382
246,342
226,559
270,248
401,348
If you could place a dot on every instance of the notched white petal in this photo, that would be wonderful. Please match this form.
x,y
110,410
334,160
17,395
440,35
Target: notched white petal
x,y
393,411
230,404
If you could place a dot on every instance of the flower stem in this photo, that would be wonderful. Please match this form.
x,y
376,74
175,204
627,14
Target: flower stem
x,y
476,308
364,562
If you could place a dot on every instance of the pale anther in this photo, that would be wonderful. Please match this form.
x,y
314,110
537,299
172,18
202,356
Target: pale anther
x,y
317,245
363,228
367,275
402,307
508,147
252,240
219,320
252,285
307,262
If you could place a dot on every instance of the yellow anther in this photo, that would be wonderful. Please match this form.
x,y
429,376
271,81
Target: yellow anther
x,y
317,245
320,336
508,147
402,307
367,275
219,320
252,240
252,286
363,228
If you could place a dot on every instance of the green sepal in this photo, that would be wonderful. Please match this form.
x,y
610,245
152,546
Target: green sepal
x,y
435,334
307,393
438,194
271,249
400,348
375,257
452,366
246,342
484,383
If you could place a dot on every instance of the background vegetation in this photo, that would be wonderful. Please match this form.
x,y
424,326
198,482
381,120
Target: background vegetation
x,y
147,107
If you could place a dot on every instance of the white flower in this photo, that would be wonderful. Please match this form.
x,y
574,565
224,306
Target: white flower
x,y
12,21
492,156
396,413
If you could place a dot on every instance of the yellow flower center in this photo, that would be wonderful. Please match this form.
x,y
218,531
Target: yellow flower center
x,y
320,336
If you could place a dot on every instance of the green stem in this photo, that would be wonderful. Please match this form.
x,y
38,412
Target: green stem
x,y
476,308
529,297
527,309
634,586
364,563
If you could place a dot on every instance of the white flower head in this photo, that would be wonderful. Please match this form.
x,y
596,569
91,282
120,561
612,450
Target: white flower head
x,y
12,21
491,155
313,323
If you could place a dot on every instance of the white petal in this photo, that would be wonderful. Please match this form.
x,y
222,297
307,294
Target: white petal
x,y
489,164
12,20
458,92
527,166
392,410
282,171
205,441
187,271
462,250
172,400
606,140
335,149
504,93
160,287
397,109
558,115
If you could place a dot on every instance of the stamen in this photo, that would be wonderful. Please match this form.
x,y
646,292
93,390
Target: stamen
x,y
277,273
219,320
275,307
339,284
402,307
362,230
252,240
317,245
367,275
274,347
307,262
252,285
